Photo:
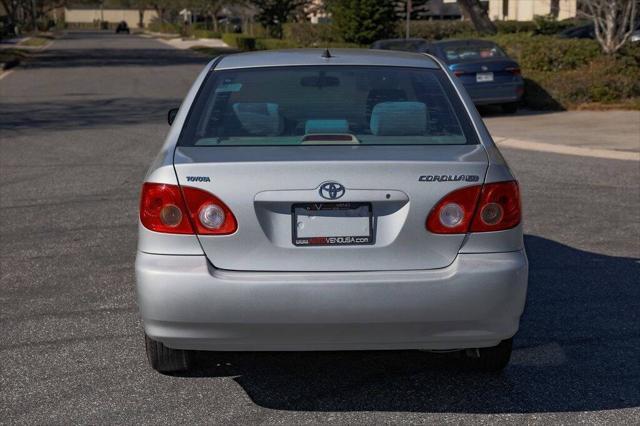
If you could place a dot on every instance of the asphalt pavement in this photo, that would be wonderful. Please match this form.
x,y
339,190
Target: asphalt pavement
x,y
79,126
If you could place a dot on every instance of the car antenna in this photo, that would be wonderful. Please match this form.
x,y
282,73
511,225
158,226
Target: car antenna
x,y
326,54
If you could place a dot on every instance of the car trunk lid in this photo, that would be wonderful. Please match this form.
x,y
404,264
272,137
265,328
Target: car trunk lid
x,y
389,188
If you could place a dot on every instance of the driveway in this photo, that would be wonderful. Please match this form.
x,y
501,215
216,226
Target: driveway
x,y
604,130
81,124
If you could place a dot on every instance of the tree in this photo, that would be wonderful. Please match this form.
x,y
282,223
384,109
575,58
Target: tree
x,y
273,13
363,21
613,20
478,15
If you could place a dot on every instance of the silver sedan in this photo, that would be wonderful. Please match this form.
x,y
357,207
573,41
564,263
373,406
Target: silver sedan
x,y
329,200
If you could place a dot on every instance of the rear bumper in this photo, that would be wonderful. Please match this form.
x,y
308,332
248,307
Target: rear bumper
x,y
475,302
498,93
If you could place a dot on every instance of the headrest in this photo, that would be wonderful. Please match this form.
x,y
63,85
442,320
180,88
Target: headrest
x,y
259,118
399,119
326,126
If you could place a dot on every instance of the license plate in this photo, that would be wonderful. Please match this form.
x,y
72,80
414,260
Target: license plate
x,y
332,224
484,76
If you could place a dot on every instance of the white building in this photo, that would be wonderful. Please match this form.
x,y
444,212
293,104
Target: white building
x,y
92,15
525,10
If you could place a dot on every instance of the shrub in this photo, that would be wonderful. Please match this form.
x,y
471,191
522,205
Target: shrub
x,y
511,27
604,80
437,30
239,41
197,33
306,34
547,53
164,27
363,21
273,43
549,25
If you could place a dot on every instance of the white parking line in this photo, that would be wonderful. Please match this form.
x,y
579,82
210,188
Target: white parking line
x,y
567,149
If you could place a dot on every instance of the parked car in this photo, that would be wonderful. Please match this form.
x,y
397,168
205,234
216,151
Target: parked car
x,y
488,74
580,31
588,31
329,200
122,27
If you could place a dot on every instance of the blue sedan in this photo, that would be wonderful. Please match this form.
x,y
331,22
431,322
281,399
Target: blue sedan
x,y
488,74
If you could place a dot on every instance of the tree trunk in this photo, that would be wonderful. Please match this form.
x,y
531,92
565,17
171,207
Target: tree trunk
x,y
479,18
613,20
555,8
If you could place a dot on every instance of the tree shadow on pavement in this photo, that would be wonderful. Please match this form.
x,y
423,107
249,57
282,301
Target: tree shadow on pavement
x,y
577,350
81,113
127,51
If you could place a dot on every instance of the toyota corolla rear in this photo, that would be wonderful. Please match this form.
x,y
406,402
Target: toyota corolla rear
x,y
309,200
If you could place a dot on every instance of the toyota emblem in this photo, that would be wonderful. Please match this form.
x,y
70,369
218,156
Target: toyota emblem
x,y
331,190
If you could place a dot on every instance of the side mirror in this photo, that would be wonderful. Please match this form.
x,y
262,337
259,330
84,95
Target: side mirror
x,y
171,115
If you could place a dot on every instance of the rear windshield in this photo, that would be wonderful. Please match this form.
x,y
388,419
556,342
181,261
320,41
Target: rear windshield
x,y
327,105
471,52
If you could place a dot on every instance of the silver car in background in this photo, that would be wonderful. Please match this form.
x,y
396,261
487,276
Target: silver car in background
x,y
342,200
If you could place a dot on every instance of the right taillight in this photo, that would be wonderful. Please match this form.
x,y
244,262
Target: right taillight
x,y
499,207
174,210
479,208
514,70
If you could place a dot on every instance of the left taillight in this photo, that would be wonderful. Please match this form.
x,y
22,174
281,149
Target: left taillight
x,y
168,209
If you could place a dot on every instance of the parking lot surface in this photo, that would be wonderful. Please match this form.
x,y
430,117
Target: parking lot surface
x,y
79,126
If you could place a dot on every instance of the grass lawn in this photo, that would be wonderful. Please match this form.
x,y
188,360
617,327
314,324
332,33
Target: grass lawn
x,y
36,41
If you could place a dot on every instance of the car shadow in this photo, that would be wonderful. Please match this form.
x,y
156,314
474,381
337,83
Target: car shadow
x,y
577,350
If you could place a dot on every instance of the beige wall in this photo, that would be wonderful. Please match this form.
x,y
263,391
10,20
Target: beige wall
x,y
132,17
525,10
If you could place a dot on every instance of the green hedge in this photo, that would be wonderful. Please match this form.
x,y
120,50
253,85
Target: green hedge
x,y
437,30
548,53
567,73
239,41
199,33
273,43
547,25
276,43
305,34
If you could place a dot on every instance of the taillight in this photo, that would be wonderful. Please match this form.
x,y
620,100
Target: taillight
x,y
514,70
209,214
162,209
480,208
499,207
453,214
165,208
458,73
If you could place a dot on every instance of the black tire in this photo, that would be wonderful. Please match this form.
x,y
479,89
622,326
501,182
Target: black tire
x,y
167,360
492,359
510,108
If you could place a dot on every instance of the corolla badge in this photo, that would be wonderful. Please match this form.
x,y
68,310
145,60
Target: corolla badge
x,y
331,190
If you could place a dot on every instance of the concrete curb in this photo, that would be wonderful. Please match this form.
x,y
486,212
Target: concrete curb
x,y
567,149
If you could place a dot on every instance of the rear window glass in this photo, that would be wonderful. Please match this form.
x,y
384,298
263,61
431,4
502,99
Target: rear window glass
x,y
472,52
327,105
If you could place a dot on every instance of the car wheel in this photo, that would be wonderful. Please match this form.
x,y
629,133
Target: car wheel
x,y
492,359
166,360
510,108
